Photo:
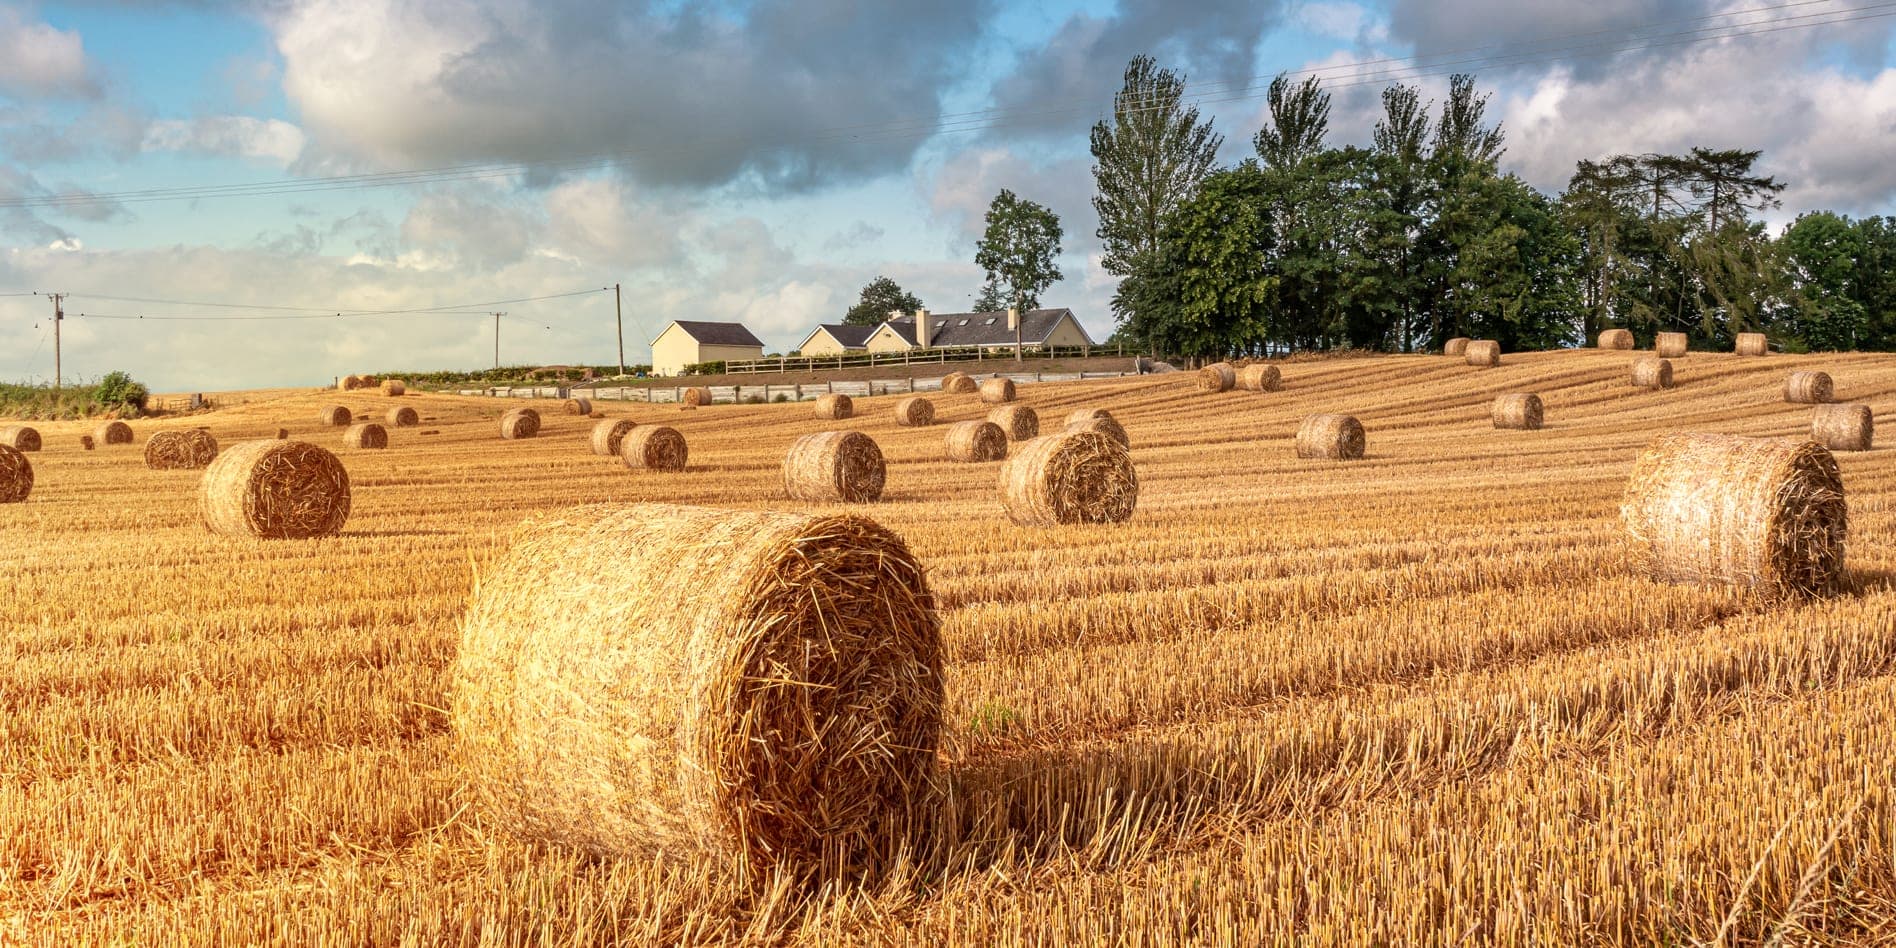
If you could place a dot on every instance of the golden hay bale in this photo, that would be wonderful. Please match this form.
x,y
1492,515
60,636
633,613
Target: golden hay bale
x,y
577,406
1762,513
1456,346
597,415
16,475
336,416
86,442
1018,421
1670,345
915,412
761,690
1483,353
609,434
1752,344
1616,339
404,417
653,448
1331,436
1809,388
694,397
1652,373
368,436
113,432
278,490
394,388
976,441
519,423
959,383
834,466
185,450
1100,420
1217,377
997,391
1520,411
283,434
1259,377
1069,477
1843,427
20,437
834,406
348,383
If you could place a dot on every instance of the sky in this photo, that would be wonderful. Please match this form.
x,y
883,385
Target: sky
x,y
419,165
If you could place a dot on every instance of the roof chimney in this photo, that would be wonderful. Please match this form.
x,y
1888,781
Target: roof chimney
x,y
922,334
1013,319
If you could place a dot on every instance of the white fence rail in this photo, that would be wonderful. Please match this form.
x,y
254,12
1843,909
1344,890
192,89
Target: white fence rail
x,y
757,394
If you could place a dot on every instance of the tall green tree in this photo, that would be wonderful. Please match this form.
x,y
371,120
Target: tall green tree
x,y
1399,189
1299,122
1018,252
1209,289
1822,255
1598,206
881,297
1460,133
1724,181
1149,158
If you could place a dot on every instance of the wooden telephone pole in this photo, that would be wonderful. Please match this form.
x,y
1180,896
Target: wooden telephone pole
x,y
497,339
618,314
59,316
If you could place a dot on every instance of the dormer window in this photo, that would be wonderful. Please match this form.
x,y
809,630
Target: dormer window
x,y
963,323
989,321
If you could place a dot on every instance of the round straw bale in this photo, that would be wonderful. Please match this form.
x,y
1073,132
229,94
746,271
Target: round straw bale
x,y
607,435
959,383
1521,411
1259,377
16,475
694,397
336,416
1330,436
1217,377
1483,353
653,448
577,406
1456,346
1616,339
348,383
1843,427
1100,420
1652,373
1766,514
1809,388
783,716
519,423
976,441
368,436
394,388
915,412
1752,344
1069,477
20,437
834,466
404,417
834,407
1019,421
186,450
277,490
86,442
283,434
997,391
1670,345
113,432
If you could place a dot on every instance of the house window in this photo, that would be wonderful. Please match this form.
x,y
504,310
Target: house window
x,y
989,322
962,323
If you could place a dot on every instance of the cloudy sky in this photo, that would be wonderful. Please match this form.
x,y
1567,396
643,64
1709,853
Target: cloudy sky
x,y
755,161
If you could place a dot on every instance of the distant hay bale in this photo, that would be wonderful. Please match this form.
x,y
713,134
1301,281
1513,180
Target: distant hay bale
x,y
1652,373
1670,345
1339,437
113,432
519,423
915,412
695,397
20,437
1616,339
1843,427
834,406
1069,477
16,475
404,417
1217,377
368,436
86,442
1809,388
596,415
997,391
973,442
959,383
394,388
1100,420
577,406
653,448
1752,344
834,466
348,383
1018,421
283,434
1520,411
760,690
609,434
275,490
186,450
1766,514
1482,353
336,416
1259,377
1457,346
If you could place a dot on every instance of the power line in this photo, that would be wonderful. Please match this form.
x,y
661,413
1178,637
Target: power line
x,y
304,312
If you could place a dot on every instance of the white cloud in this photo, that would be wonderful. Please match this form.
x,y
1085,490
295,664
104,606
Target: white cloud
x,y
1344,21
37,59
240,136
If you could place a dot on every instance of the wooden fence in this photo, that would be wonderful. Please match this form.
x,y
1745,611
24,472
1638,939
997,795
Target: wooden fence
x,y
759,394
914,357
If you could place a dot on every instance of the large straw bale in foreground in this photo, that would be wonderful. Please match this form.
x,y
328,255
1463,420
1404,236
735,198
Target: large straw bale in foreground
x,y
16,475
915,412
1752,344
366,436
1652,373
335,416
403,417
275,490
1338,437
759,690
113,432
1521,411
1457,346
834,406
654,448
1020,422
1843,427
1100,420
976,441
1259,377
959,383
1217,377
1483,354
1616,339
186,450
997,391
608,434
1766,514
1670,345
1809,388
20,437
520,423
834,466
1069,477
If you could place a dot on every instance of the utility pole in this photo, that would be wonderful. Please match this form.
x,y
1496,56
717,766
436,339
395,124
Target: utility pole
x,y
618,314
59,316
497,339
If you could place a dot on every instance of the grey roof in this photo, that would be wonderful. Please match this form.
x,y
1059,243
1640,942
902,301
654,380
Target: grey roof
x,y
718,334
985,329
851,337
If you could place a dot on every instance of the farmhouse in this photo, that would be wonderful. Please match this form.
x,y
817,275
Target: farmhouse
x,y
834,339
995,330
687,342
